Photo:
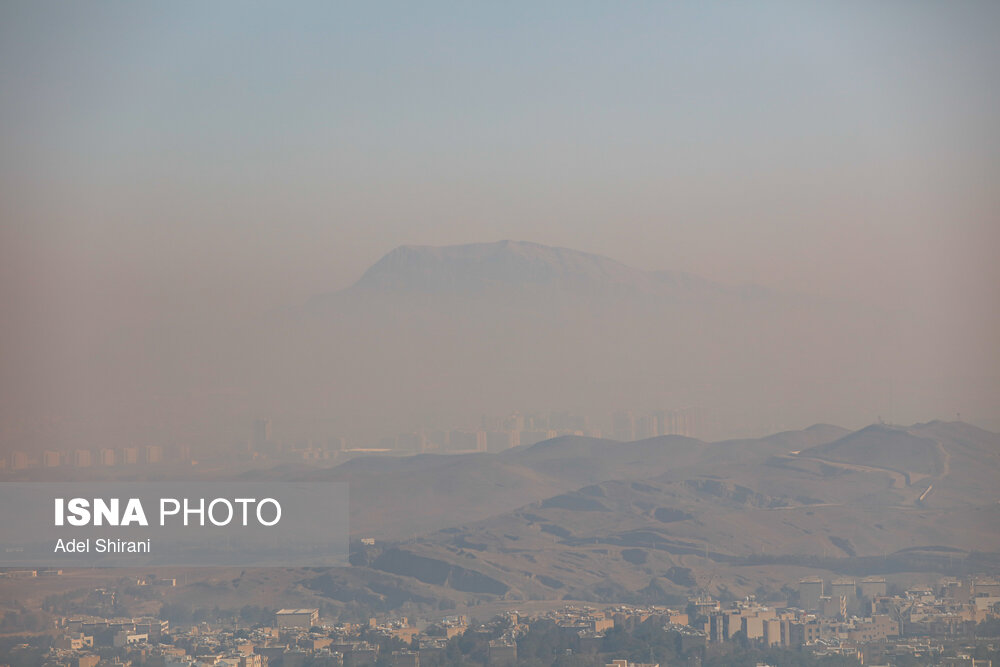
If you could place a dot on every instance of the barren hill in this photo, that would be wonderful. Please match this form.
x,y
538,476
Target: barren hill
x,y
397,498
710,524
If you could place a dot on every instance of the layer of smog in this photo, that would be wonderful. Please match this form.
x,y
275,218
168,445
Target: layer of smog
x,y
557,335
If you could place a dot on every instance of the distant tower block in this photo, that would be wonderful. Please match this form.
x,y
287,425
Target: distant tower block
x,y
623,427
646,427
687,423
873,587
81,458
810,591
152,454
18,461
130,455
847,589
261,433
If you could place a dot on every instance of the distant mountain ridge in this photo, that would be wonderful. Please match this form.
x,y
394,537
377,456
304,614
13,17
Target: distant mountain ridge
x,y
519,323
708,512
394,497
655,521
479,267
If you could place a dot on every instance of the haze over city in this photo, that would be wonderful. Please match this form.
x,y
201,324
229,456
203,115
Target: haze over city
x,y
179,183
510,334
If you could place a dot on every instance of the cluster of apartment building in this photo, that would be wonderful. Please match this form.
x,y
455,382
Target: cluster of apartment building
x,y
30,574
499,433
857,618
82,637
941,609
864,621
495,434
790,627
948,609
90,458
295,639
298,637
628,617
451,441
629,425
457,441
589,625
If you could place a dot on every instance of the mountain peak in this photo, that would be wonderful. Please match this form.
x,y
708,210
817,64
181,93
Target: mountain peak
x,y
479,267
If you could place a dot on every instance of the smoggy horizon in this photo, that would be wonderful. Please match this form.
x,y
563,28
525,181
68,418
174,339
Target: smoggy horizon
x,y
176,179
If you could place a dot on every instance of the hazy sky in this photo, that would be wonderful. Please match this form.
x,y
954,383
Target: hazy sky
x,y
161,160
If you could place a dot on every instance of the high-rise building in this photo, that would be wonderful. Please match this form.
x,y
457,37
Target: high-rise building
x,y
261,434
466,441
646,426
18,460
833,606
623,426
872,587
81,458
183,453
296,618
810,591
515,422
847,589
